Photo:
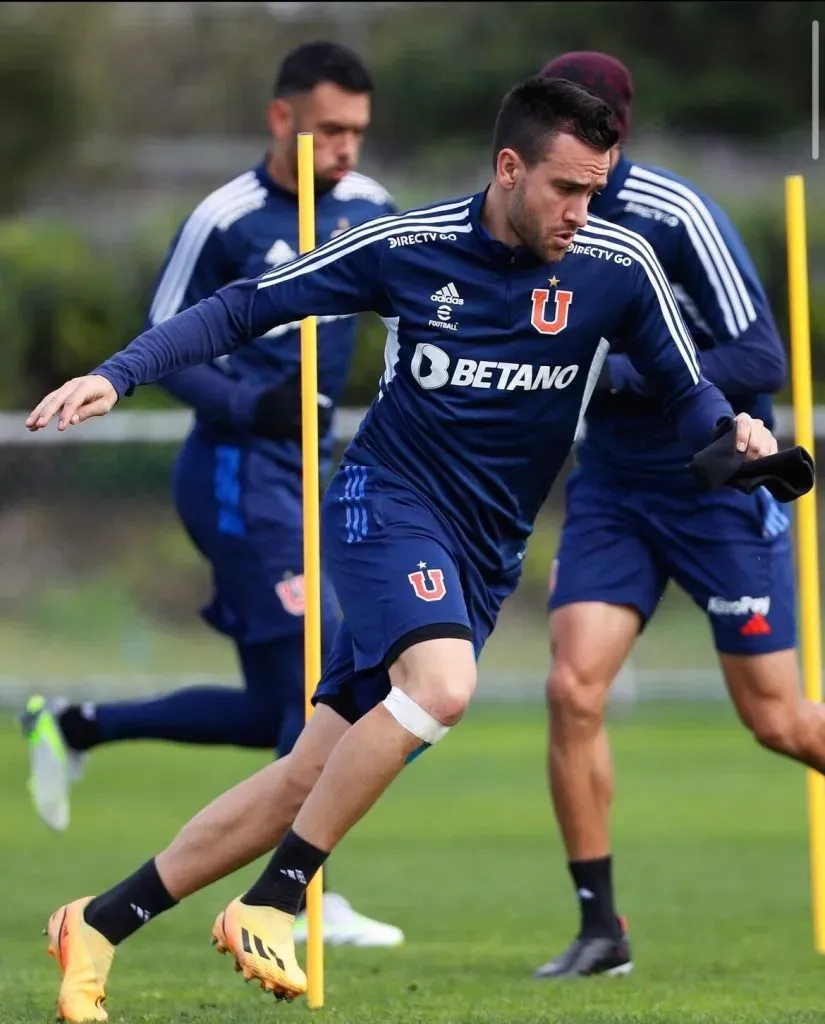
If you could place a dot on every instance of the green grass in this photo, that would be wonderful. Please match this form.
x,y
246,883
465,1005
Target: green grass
x,y
711,866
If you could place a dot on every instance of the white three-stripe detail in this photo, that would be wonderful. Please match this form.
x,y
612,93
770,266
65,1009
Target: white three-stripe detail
x,y
602,351
630,244
218,210
673,197
436,218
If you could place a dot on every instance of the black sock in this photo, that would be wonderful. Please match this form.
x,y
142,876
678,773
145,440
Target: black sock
x,y
285,879
119,913
79,726
593,880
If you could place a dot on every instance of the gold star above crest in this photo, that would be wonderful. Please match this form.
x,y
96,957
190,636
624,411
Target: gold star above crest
x,y
554,281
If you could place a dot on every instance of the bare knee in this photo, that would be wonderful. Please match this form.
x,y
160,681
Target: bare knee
x,y
445,697
576,697
440,676
590,642
768,700
775,727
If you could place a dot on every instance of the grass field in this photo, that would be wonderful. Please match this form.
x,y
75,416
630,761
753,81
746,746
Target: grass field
x,y
712,868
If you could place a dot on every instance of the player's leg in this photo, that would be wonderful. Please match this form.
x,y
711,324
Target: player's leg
x,y
605,585
278,669
254,547
266,714
402,592
420,709
768,697
61,735
745,583
209,715
211,487
432,683
230,833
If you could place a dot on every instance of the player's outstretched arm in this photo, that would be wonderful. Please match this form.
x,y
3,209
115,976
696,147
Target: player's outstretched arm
x,y
342,276
200,334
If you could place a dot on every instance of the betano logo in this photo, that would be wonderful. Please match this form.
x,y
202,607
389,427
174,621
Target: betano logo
x,y
432,368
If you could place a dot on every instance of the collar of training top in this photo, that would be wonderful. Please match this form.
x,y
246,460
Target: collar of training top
x,y
270,184
491,248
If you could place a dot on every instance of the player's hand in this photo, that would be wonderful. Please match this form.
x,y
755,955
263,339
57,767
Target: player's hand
x,y
79,399
753,438
277,414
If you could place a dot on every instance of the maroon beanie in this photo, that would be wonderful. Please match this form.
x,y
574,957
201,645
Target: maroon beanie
x,y
603,75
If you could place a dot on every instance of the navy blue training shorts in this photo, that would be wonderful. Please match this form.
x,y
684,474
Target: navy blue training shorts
x,y
731,552
401,576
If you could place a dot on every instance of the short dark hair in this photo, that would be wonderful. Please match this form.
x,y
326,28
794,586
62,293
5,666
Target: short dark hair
x,y
535,111
313,63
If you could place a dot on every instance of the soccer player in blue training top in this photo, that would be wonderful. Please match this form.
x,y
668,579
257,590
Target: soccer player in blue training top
x,y
499,318
636,518
238,478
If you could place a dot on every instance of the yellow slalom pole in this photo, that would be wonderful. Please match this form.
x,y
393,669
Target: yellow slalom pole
x,y
806,544
312,540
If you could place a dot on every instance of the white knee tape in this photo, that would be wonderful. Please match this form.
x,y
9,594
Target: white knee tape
x,y
413,718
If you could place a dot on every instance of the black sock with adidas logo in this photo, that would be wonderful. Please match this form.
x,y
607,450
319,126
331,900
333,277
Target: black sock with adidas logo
x,y
285,878
128,906
593,880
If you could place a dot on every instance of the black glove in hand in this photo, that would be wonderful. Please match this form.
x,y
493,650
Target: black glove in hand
x,y
787,475
277,414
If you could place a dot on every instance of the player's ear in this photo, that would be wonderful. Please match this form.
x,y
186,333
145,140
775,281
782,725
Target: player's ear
x,y
508,167
280,119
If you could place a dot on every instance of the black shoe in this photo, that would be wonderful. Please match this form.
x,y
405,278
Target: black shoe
x,y
588,955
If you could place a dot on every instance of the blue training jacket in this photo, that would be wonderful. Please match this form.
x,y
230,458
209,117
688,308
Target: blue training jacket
x,y
491,356
725,306
248,226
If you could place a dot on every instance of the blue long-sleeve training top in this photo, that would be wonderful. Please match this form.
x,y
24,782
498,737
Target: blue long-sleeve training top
x,y
491,354
240,230
725,307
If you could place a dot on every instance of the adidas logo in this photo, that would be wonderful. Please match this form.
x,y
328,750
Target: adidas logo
x,y
264,952
756,625
448,294
280,253
295,875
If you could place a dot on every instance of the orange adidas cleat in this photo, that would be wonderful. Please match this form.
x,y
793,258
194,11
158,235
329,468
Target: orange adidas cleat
x,y
261,941
85,959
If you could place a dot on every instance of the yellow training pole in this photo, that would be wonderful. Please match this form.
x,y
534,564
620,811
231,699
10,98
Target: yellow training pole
x,y
312,540
807,550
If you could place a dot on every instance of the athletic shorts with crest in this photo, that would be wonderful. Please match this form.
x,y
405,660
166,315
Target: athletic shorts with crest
x,y
401,576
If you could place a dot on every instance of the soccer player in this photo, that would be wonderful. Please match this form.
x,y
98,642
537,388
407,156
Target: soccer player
x,y
499,317
238,477
635,519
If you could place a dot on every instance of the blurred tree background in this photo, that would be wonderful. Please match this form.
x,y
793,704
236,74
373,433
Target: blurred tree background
x,y
117,117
